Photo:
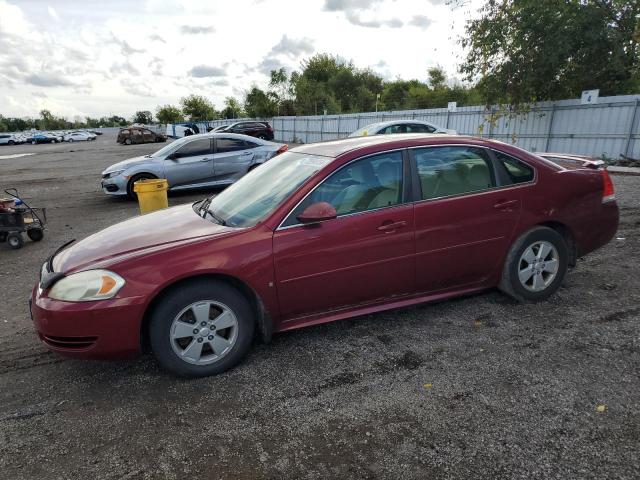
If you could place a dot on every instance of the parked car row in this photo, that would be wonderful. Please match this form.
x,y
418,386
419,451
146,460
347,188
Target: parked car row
x,y
319,233
34,138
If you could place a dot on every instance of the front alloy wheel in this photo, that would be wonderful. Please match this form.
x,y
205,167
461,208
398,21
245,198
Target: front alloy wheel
x,y
204,332
201,327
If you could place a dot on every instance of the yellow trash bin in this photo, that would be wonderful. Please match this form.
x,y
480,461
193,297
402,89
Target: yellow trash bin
x,y
152,194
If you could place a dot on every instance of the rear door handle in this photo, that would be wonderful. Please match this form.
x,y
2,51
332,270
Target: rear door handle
x,y
389,227
506,205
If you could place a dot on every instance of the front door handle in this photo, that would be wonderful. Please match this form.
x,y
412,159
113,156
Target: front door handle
x,y
506,205
247,153
389,227
206,160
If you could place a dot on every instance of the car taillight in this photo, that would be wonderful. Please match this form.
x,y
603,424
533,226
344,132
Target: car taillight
x,y
269,127
608,194
282,149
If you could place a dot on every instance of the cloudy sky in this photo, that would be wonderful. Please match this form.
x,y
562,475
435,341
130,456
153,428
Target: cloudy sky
x,y
97,57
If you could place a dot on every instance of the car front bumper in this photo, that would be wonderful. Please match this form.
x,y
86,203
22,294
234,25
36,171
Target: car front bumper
x,y
104,329
114,186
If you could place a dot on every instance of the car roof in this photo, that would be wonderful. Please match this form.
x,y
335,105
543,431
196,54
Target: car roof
x,y
376,143
398,122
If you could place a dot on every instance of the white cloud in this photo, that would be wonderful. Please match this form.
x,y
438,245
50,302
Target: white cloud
x,y
97,61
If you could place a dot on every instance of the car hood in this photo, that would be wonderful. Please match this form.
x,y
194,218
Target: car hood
x,y
127,163
137,236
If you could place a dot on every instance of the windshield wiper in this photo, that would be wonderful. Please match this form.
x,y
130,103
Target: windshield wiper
x,y
203,209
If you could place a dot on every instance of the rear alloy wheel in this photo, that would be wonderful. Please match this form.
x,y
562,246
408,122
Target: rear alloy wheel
x,y
202,328
536,265
15,240
127,141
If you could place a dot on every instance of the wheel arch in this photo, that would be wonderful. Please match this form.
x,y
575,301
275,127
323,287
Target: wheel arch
x,y
264,322
568,236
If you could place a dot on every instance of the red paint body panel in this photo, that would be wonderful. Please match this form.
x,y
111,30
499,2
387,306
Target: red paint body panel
x,y
343,267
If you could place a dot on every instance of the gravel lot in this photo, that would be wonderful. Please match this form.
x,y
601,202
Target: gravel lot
x,y
477,387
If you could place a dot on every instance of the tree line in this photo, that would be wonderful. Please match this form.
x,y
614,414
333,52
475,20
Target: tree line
x,y
517,52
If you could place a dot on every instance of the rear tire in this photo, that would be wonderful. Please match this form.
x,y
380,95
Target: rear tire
x,y
35,234
535,266
15,240
202,350
70,140
127,141
11,142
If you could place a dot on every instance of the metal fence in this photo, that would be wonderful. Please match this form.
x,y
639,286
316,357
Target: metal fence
x,y
609,128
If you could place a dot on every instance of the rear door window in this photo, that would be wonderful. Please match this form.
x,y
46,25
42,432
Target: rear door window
x,y
420,128
224,145
449,171
517,171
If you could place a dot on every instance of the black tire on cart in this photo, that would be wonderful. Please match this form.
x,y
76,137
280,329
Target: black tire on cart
x,y
15,240
35,234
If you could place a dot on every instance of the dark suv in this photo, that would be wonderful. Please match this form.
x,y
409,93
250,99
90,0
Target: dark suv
x,y
130,135
255,129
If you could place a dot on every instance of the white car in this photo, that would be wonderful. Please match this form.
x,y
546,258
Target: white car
x,y
401,126
9,139
79,137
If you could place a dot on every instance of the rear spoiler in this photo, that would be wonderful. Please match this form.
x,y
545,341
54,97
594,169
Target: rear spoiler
x,y
585,162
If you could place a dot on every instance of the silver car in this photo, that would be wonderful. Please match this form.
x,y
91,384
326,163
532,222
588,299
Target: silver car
x,y
205,160
400,126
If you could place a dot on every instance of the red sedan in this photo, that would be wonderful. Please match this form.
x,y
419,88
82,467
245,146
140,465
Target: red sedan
x,y
323,232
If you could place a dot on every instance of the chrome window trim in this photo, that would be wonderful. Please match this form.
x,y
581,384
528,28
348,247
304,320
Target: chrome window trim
x,y
280,227
479,192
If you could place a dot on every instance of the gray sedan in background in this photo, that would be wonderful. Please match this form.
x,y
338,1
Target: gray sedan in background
x,y
205,160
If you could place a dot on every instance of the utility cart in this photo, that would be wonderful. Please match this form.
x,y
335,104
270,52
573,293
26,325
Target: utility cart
x,y
16,218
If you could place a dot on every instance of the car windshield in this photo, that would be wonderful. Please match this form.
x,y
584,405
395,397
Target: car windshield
x,y
252,198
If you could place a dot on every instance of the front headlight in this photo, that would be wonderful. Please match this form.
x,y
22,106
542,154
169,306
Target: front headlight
x,y
112,174
87,286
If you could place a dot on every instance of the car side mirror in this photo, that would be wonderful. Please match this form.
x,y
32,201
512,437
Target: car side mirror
x,y
317,212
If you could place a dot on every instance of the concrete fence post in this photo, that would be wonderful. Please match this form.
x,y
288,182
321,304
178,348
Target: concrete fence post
x,y
550,129
627,148
322,128
339,131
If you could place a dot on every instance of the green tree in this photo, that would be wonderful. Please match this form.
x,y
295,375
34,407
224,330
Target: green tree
x,y
232,109
169,114
259,104
437,78
529,50
143,116
197,107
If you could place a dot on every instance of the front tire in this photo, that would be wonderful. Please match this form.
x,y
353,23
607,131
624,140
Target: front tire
x,y
535,266
15,240
201,328
141,176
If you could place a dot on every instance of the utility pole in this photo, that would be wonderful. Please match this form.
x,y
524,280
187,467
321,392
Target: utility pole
x,y
377,98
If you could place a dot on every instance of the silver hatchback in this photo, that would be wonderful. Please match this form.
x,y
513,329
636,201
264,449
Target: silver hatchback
x,y
206,160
